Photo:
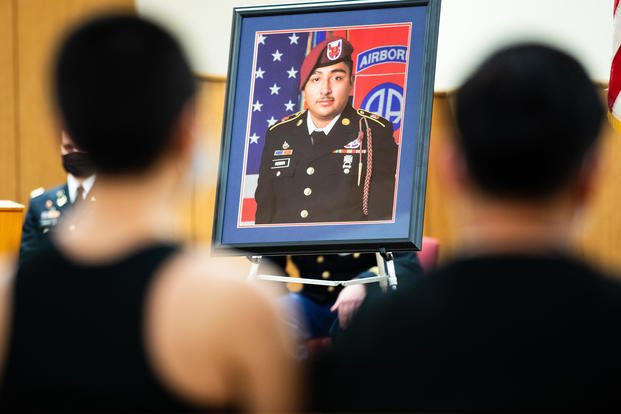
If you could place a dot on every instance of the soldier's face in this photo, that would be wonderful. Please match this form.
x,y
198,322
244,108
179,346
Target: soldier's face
x,y
327,91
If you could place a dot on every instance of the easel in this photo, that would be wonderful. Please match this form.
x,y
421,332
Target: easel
x,y
385,265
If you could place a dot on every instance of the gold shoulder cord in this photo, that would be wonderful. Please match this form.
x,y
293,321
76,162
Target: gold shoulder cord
x,y
362,113
369,172
293,117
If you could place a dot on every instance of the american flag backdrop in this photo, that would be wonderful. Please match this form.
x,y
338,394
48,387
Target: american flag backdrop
x,y
275,91
276,81
274,96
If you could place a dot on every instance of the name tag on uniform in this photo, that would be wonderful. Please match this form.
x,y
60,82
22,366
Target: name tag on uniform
x,y
281,163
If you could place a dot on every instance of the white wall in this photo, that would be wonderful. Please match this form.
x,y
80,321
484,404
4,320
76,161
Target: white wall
x,y
204,26
469,30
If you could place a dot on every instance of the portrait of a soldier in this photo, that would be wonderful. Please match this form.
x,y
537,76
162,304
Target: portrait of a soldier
x,y
330,162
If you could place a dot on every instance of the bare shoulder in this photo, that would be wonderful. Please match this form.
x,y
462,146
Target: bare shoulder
x,y
214,280
7,275
198,290
201,316
7,272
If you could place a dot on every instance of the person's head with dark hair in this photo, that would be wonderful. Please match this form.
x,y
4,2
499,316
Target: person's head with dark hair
x,y
526,120
121,84
125,92
525,153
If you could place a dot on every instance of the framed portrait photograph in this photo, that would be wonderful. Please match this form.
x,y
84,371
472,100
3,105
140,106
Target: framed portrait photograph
x,y
326,127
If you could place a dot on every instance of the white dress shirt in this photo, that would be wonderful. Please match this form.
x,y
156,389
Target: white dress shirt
x,y
73,184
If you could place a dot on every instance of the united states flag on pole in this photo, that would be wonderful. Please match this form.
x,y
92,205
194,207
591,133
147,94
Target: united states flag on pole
x,y
614,86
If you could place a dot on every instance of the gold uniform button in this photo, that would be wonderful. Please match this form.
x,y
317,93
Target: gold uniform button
x,y
310,171
346,170
320,259
308,191
356,255
330,288
304,213
325,274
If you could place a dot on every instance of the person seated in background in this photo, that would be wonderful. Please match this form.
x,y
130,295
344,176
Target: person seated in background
x,y
318,311
46,208
115,315
515,321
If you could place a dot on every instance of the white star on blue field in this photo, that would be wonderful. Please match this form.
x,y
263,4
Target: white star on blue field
x,y
276,81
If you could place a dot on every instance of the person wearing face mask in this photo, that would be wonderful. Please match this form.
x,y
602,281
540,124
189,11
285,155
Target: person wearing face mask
x,y
47,207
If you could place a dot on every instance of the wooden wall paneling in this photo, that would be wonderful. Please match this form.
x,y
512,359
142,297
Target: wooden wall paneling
x,y
439,205
8,166
39,26
598,230
210,110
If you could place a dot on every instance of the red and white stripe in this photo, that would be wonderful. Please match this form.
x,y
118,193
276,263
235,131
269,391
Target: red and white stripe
x,y
249,205
614,86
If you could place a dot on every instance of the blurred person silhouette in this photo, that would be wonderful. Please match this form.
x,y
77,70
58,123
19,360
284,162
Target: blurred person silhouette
x,y
115,315
46,207
515,322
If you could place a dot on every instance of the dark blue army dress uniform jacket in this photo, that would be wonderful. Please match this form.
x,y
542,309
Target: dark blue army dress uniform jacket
x,y
347,175
45,210
347,267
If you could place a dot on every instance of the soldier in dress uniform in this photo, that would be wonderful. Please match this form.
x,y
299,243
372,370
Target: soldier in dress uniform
x,y
331,162
316,310
46,208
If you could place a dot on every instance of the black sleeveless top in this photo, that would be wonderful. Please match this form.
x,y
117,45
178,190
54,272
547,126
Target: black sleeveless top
x,y
77,336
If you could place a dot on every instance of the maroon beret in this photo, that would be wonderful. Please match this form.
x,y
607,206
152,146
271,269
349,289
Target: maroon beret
x,y
329,52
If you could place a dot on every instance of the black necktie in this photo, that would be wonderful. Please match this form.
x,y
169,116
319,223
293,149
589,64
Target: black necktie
x,y
79,195
317,136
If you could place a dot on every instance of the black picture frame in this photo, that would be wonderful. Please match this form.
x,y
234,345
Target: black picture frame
x,y
231,235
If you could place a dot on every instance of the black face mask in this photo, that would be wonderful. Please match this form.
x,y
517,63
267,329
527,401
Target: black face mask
x,y
78,164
